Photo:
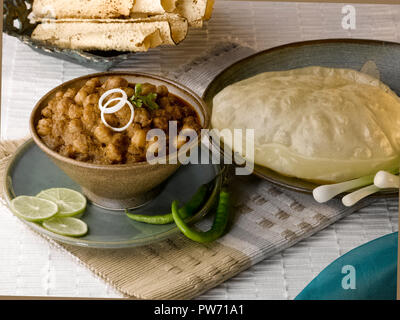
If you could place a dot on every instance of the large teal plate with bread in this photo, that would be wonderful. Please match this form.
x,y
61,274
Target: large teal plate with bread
x,y
31,171
335,53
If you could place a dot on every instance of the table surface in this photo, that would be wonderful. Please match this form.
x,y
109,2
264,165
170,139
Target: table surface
x,y
30,266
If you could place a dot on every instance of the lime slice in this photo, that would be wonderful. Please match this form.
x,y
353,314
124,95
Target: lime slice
x,y
66,226
32,208
70,202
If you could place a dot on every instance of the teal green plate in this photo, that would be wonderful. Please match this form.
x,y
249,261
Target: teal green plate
x,y
337,53
375,270
31,171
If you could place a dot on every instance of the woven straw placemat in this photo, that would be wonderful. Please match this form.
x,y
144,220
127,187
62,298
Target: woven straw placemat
x,y
266,220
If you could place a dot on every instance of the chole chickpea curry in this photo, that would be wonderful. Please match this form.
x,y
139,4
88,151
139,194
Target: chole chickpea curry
x,y
76,126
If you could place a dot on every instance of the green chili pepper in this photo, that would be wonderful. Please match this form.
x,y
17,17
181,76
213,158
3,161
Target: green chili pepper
x,y
186,211
219,224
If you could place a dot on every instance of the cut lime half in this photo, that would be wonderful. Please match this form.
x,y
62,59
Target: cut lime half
x,y
66,226
69,202
33,208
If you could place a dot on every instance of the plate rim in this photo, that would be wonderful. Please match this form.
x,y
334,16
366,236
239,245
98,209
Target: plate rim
x,y
297,44
8,196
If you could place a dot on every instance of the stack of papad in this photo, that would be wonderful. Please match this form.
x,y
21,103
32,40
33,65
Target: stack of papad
x,y
122,25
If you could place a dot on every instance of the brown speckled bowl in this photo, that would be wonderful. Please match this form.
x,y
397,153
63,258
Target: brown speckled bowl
x,y
118,186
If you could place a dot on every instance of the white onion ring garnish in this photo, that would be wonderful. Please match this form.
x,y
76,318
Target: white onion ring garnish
x,y
118,106
122,102
124,127
115,108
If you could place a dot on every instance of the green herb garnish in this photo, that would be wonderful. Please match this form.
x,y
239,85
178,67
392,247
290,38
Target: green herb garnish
x,y
149,101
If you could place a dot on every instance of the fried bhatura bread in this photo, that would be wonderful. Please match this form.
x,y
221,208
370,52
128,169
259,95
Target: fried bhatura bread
x,y
314,123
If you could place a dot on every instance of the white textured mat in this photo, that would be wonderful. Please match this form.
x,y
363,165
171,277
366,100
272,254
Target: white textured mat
x,y
29,266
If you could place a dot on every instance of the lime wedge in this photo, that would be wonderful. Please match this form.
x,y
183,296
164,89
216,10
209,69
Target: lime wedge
x,y
66,226
69,202
32,208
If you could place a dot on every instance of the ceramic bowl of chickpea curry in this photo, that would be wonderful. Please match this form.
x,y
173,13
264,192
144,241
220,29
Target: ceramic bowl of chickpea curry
x,y
98,130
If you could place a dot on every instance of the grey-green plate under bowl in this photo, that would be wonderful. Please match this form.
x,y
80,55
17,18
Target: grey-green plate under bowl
x,y
336,53
31,171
